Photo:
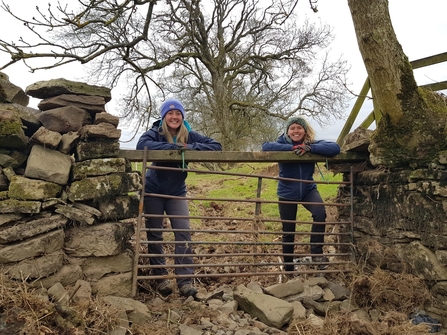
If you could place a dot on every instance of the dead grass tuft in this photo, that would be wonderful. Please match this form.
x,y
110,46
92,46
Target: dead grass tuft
x,y
349,323
25,310
388,291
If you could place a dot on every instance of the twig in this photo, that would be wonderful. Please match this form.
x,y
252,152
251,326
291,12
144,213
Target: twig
x,y
74,292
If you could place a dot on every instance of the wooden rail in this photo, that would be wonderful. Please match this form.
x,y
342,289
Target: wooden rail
x,y
375,115
238,156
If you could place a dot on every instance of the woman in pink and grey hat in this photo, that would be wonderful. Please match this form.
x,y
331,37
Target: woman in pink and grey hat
x,y
172,132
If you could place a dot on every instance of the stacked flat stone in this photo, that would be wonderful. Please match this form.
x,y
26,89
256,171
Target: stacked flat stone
x,y
65,194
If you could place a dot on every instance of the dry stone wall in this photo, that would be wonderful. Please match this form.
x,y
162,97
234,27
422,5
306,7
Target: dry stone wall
x,y
400,221
65,195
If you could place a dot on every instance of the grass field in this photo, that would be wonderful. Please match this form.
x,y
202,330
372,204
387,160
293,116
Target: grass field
x,y
245,187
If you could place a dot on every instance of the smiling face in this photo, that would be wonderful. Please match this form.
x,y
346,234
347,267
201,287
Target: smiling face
x,y
173,119
296,132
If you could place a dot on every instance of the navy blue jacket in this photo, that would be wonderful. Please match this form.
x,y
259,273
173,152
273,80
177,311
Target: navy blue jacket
x,y
296,191
171,182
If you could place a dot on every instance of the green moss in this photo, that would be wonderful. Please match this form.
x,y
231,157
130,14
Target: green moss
x,y
434,101
418,137
421,174
102,188
21,188
408,95
98,167
18,206
429,174
10,128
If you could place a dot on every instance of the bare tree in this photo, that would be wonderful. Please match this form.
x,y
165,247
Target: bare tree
x,y
412,129
239,65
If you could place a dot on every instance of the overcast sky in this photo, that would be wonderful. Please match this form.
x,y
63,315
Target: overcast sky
x,y
420,26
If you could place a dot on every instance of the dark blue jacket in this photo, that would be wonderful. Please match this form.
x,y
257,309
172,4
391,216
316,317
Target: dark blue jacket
x,y
296,191
171,182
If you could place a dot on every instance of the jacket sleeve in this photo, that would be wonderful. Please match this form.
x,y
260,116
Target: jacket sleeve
x,y
200,142
325,148
149,139
276,146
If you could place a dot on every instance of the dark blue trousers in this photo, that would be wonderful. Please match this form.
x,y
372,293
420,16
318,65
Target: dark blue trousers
x,y
289,212
155,205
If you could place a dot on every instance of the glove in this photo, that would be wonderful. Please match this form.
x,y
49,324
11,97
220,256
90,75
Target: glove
x,y
182,147
301,149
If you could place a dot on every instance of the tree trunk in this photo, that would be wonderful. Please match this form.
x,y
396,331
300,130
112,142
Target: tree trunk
x,y
411,131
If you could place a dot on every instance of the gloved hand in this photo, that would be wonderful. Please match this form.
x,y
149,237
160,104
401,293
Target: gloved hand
x,y
182,146
301,149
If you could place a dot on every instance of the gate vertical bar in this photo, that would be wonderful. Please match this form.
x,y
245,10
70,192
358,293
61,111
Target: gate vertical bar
x,y
257,222
139,223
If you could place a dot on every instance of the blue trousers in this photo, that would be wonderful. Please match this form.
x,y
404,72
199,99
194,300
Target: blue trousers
x,y
155,205
289,212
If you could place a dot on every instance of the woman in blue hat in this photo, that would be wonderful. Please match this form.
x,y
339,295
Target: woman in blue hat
x,y
299,137
172,132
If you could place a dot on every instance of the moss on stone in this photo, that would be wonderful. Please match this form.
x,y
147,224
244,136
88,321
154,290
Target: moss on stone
x,y
8,128
103,187
98,167
22,188
19,206
419,136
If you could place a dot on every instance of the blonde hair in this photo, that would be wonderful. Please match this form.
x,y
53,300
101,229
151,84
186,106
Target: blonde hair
x,y
310,134
182,133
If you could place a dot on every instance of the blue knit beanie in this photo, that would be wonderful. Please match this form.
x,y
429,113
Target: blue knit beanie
x,y
170,105
295,119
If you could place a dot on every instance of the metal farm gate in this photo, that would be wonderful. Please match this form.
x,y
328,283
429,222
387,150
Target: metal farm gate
x,y
222,249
